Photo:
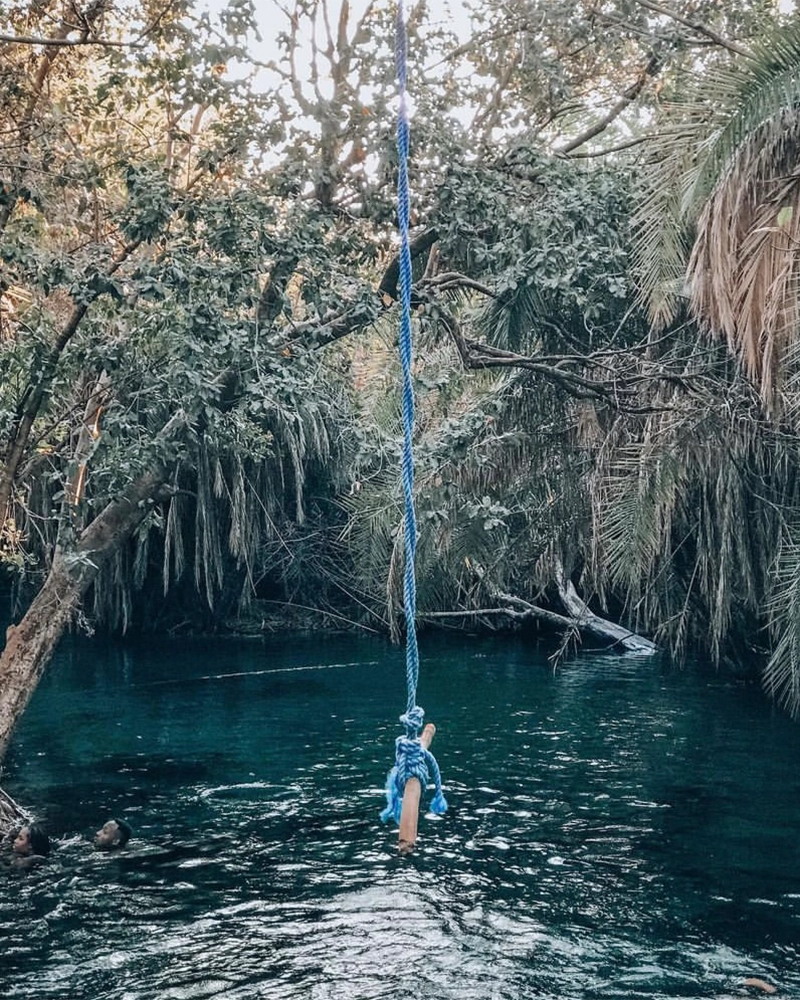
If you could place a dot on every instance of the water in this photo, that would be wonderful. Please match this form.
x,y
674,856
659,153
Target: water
x,y
617,829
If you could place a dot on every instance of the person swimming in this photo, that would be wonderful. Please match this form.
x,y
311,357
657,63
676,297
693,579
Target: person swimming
x,y
112,835
29,848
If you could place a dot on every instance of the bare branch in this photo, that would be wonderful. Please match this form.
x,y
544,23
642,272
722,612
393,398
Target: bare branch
x,y
304,104
697,26
360,35
620,390
341,41
480,41
365,308
330,48
67,42
448,280
652,68
523,614
585,618
615,149
421,243
579,617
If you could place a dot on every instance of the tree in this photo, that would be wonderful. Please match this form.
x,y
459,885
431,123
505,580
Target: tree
x,y
164,311
717,234
724,219
188,237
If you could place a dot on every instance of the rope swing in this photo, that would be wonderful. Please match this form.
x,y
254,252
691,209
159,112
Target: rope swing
x,y
412,757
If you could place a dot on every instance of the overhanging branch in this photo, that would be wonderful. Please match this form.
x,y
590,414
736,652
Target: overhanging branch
x,y
620,390
418,245
696,26
366,309
67,42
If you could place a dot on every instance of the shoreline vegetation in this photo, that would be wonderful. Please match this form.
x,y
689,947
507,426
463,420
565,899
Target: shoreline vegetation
x,y
200,387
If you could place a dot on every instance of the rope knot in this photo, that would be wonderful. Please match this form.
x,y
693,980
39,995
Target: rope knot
x,y
412,760
412,720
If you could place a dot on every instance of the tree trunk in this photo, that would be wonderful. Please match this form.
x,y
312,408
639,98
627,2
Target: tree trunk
x,y
616,635
11,815
31,643
41,383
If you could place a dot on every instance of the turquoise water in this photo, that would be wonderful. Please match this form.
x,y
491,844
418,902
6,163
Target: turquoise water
x,y
617,828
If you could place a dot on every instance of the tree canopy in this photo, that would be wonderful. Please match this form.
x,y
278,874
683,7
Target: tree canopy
x,y
199,388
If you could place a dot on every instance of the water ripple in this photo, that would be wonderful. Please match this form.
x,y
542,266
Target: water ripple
x,y
606,838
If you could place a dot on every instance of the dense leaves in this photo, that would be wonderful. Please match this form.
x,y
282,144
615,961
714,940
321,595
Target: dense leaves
x,y
198,275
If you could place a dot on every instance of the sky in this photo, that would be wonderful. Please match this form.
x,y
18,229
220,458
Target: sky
x,y
273,17
455,14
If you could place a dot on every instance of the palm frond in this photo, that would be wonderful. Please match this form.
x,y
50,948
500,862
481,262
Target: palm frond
x,y
637,500
720,210
782,673
744,268
661,237
744,98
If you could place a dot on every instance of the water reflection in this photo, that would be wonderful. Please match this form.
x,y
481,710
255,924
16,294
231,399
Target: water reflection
x,y
616,829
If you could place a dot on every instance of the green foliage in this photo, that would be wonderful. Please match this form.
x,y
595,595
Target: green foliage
x,y
187,232
550,237
160,230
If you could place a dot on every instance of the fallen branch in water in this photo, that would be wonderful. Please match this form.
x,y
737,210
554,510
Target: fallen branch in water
x,y
579,618
527,611
584,618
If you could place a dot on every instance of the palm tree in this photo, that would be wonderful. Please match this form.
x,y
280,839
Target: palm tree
x,y
719,218
718,234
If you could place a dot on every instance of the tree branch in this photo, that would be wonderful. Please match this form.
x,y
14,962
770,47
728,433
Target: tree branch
x,y
652,69
586,619
66,42
578,616
39,387
448,280
327,329
620,147
619,390
523,614
697,26
421,243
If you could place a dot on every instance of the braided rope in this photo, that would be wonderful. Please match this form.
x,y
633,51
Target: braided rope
x,y
411,758
406,358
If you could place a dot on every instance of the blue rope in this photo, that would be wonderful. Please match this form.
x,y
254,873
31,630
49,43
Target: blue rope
x,y
412,760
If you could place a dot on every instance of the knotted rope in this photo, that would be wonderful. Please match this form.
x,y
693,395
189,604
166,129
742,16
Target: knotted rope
x,y
412,760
